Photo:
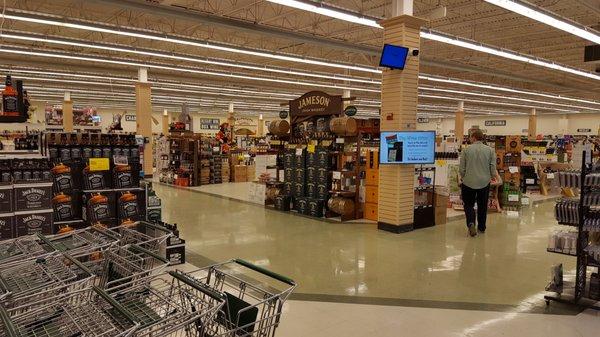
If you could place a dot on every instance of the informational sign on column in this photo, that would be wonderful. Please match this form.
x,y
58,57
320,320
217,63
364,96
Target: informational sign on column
x,y
407,147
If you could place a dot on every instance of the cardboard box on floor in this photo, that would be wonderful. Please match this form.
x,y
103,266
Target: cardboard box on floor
x,y
240,174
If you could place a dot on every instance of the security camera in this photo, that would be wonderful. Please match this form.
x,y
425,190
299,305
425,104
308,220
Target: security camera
x,y
415,52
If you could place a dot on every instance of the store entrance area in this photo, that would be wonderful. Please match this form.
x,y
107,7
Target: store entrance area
x,y
492,282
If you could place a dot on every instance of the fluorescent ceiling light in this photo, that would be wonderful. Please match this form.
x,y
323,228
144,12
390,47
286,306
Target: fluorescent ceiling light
x,y
159,36
318,8
50,54
505,53
546,17
30,37
494,103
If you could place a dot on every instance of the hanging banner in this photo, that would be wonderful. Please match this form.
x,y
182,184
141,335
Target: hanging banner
x,y
130,118
497,122
210,123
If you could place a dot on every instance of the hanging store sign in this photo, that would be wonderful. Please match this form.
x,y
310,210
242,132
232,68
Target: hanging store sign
x,y
498,122
584,130
209,123
350,110
316,103
130,118
422,120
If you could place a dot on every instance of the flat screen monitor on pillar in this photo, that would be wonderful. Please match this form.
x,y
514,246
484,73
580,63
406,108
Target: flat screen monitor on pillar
x,y
407,147
393,57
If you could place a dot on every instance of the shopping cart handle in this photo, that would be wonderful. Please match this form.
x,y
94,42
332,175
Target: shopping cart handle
x,y
9,328
147,252
116,305
266,272
106,233
155,226
47,241
79,264
197,285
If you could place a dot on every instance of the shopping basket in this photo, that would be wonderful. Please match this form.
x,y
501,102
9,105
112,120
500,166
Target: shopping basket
x,y
22,248
176,307
144,234
34,280
254,298
121,267
87,313
82,240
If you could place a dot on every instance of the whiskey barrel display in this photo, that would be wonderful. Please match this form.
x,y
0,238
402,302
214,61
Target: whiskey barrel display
x,y
343,126
272,193
340,205
279,127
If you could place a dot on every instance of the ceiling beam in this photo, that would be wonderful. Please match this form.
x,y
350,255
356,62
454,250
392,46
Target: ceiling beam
x,y
198,16
593,5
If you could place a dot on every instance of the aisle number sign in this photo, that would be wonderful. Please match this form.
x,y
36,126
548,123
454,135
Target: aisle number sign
x,y
99,164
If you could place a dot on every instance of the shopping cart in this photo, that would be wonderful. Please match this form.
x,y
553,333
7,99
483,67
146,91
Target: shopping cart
x,y
88,313
121,267
82,240
144,234
23,248
34,280
254,298
176,307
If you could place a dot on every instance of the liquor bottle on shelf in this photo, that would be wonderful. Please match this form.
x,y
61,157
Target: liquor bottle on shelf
x,y
10,106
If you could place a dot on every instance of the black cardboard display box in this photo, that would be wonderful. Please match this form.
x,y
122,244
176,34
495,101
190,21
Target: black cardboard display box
x,y
316,207
6,198
7,226
33,222
67,207
176,254
97,180
283,202
154,215
33,196
67,177
99,206
131,205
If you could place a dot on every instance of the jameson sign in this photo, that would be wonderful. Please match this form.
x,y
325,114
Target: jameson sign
x,y
316,103
497,122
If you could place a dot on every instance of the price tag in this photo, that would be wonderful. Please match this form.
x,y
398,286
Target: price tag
x,y
513,197
550,175
298,152
311,148
525,201
99,164
513,169
529,181
339,140
337,175
216,149
120,160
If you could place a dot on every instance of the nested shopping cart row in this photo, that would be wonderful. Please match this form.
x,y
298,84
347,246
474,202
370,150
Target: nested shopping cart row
x,y
146,235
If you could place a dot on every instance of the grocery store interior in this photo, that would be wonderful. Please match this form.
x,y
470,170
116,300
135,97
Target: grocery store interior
x,y
291,168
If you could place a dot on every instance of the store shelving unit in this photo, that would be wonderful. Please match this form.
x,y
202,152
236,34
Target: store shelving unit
x,y
424,213
583,260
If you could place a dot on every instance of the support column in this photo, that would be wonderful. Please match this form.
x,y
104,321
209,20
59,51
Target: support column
x,y
346,94
231,120
165,122
459,123
399,91
143,113
532,133
68,113
563,124
260,126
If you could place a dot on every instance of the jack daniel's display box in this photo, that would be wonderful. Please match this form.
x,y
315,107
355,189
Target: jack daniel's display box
x,y
33,222
32,196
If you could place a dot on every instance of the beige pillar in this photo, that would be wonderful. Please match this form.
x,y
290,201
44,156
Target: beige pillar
x,y
260,126
563,124
231,119
459,122
165,122
399,91
346,94
143,113
68,113
532,134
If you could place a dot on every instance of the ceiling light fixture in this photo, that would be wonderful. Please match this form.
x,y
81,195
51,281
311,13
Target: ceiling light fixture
x,y
547,17
319,8
75,43
159,36
44,53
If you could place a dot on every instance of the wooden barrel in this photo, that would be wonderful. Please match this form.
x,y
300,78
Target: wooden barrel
x,y
343,126
279,127
271,193
340,205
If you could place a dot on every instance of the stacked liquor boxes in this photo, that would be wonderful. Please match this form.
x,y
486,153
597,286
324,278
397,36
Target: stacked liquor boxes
x,y
96,179
217,163
25,197
153,203
307,178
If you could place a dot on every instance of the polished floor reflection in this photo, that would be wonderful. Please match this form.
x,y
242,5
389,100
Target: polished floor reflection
x,y
507,266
